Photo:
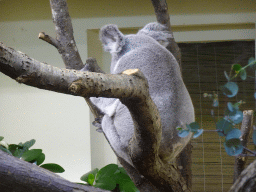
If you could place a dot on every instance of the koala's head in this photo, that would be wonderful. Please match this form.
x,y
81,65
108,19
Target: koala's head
x,y
158,32
113,40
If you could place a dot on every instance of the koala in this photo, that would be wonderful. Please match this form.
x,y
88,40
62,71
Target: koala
x,y
146,51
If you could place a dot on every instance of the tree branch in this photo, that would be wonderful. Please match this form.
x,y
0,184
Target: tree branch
x,y
48,39
19,175
162,16
29,71
246,129
64,35
246,180
65,43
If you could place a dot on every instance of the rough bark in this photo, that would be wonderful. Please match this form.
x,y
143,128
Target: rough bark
x,y
65,42
247,180
64,35
29,71
246,129
18,175
162,16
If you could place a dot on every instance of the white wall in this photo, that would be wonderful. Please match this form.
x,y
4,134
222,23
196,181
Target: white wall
x,y
60,123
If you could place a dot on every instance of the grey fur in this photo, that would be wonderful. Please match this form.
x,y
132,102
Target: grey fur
x,y
144,51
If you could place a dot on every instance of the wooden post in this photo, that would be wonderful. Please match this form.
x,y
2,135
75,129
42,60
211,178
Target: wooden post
x,y
246,129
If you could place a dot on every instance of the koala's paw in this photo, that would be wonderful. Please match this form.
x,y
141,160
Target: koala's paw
x,y
97,123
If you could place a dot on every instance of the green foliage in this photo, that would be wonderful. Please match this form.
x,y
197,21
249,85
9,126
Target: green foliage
x,y
182,132
254,137
109,178
192,127
230,89
252,63
232,143
35,156
223,126
53,167
93,173
232,116
239,70
31,155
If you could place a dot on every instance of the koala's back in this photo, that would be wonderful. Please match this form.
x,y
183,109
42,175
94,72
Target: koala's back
x,y
166,86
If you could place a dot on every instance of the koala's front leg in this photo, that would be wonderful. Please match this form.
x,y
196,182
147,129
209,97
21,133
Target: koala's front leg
x,y
92,66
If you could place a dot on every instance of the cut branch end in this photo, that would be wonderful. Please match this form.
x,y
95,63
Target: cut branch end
x,y
48,39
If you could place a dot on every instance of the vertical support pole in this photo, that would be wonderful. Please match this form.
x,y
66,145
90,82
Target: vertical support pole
x,y
246,129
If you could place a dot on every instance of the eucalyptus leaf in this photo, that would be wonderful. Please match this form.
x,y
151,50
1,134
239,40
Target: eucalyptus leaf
x,y
226,75
243,74
230,89
252,63
183,133
1,138
233,134
254,137
193,127
230,106
236,67
198,133
32,154
234,150
53,167
232,144
251,60
236,116
224,126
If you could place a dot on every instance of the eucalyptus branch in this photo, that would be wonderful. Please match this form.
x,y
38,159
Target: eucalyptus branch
x,y
252,152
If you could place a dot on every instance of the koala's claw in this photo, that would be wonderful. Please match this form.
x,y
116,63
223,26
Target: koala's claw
x,y
97,122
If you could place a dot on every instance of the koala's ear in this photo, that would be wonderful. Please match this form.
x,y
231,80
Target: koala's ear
x,y
111,38
158,32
